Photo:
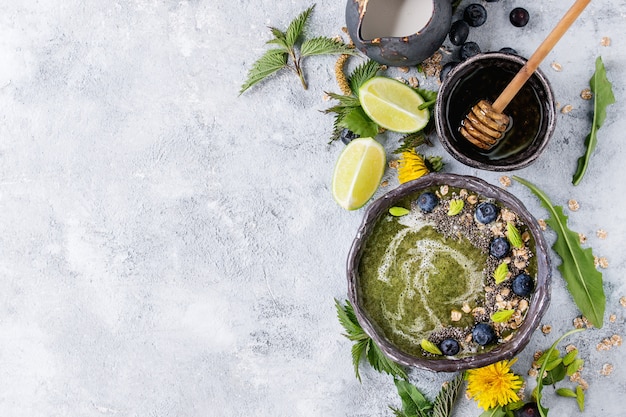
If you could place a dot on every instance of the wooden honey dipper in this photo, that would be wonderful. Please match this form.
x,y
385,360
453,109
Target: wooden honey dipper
x,y
486,123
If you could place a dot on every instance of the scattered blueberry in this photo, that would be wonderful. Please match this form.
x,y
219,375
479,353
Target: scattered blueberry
x,y
499,247
469,49
523,285
347,136
507,50
527,410
519,17
446,69
427,202
459,32
449,347
483,334
486,212
475,15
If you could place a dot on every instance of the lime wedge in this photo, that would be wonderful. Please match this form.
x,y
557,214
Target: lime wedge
x,y
358,172
393,105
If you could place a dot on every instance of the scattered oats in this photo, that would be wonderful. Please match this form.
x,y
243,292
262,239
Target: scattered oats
x,y
582,238
601,233
472,199
546,329
622,301
537,355
404,69
384,183
567,108
526,236
402,80
505,292
542,224
607,368
570,348
507,215
463,193
466,308
414,82
488,289
344,29
573,205
384,67
505,181
523,305
337,38
606,41
603,262
579,323
556,66
394,164
325,97
586,94
456,315
612,318
616,340
444,189
533,373
603,345
596,261
468,396
587,323
432,65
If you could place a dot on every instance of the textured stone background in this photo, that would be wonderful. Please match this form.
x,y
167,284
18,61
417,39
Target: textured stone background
x,y
169,248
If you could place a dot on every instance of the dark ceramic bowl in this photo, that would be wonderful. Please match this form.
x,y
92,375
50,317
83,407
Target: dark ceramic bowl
x,y
400,51
454,102
539,301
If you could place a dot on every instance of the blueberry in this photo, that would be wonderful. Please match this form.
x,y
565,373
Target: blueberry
x,y
347,136
508,50
446,69
475,15
499,247
519,17
449,347
459,32
486,212
427,202
523,285
469,49
527,410
483,334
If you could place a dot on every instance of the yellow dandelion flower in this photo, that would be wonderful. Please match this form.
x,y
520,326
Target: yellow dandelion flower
x,y
494,385
411,166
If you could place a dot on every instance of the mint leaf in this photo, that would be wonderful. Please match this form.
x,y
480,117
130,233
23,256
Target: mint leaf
x,y
602,98
584,281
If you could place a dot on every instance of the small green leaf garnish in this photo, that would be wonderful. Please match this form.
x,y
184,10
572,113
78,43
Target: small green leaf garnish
x,y
502,316
501,273
602,98
358,122
430,347
398,211
414,403
584,281
444,402
456,206
566,392
514,236
580,398
434,163
570,357
574,367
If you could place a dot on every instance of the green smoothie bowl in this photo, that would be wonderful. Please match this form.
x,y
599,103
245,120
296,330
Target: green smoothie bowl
x,y
448,272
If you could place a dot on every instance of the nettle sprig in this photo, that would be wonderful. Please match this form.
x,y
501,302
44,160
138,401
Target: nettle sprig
x,y
290,50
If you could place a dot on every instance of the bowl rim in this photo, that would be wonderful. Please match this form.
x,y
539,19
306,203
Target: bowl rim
x,y
539,302
441,125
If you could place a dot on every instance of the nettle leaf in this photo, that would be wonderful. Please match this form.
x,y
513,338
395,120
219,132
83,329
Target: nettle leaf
x,y
501,273
272,61
444,402
411,141
322,45
602,98
430,347
584,281
514,235
398,211
502,316
358,122
345,101
362,73
358,349
414,403
296,27
456,206
430,98
279,38
380,362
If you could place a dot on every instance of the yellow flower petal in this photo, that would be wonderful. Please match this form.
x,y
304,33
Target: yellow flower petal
x,y
494,385
411,167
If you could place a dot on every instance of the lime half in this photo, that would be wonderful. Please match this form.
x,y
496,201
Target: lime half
x,y
358,172
393,105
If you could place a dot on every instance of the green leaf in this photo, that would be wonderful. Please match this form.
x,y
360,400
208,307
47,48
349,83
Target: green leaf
x,y
296,27
357,121
362,73
566,392
444,402
456,206
411,141
382,363
414,403
322,45
514,236
430,347
358,349
502,316
570,357
602,98
540,380
272,61
348,320
501,273
494,412
434,163
427,95
580,398
575,366
344,101
551,365
398,211
584,281
279,38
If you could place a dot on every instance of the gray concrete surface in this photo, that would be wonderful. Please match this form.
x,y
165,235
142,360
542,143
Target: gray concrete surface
x,y
169,248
